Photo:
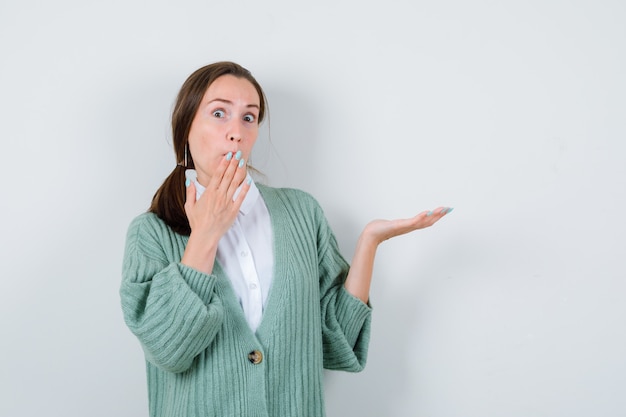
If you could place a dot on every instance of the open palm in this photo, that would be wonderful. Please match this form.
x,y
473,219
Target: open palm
x,y
381,230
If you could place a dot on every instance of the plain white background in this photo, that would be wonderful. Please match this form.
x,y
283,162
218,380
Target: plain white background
x,y
511,111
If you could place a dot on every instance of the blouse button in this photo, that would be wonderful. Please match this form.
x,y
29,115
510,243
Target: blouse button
x,y
255,357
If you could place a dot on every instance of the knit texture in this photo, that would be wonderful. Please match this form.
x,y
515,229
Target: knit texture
x,y
197,341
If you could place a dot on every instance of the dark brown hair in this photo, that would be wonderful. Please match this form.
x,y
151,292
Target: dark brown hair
x,y
169,200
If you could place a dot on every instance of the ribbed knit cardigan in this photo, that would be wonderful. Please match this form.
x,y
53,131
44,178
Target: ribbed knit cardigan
x,y
195,336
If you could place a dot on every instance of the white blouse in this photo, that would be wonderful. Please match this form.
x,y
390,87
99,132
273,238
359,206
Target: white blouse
x,y
246,253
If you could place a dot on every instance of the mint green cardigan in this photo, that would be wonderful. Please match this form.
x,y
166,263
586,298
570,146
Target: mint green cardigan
x,y
203,360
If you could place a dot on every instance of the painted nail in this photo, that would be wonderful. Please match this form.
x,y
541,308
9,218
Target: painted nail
x,y
450,209
229,156
238,155
187,182
249,181
444,210
430,213
241,163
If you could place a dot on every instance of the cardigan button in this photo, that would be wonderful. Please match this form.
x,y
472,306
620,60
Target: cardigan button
x,y
255,357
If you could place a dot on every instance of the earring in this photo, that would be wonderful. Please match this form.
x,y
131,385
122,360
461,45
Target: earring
x,y
185,162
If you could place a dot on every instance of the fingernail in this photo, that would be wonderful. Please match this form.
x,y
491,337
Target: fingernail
x,y
241,163
430,213
444,210
450,209
229,156
238,155
187,182
249,181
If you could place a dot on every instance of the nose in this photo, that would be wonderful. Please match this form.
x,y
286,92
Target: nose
x,y
234,132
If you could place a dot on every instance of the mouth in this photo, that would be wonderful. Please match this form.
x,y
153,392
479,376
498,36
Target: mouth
x,y
233,153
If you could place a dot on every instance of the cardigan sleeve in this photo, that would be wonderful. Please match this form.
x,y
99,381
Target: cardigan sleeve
x,y
170,307
346,320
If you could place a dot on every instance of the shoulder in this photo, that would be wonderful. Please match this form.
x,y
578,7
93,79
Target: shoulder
x,y
146,222
147,228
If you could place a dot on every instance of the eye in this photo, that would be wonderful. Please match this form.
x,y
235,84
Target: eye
x,y
249,118
219,113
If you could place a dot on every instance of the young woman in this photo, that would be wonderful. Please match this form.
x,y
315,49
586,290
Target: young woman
x,y
237,291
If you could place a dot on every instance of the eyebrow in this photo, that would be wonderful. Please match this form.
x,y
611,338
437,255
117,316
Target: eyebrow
x,y
256,106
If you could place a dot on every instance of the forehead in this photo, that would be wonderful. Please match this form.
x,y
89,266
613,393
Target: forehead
x,y
234,89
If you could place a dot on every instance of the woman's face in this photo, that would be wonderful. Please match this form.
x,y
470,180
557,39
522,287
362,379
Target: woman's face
x,y
226,121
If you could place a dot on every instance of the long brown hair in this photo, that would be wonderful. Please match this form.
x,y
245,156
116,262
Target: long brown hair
x,y
169,200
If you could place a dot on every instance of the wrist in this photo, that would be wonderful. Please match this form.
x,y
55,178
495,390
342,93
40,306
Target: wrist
x,y
200,253
370,237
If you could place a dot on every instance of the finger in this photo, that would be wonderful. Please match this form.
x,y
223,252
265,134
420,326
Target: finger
x,y
229,175
435,215
442,211
439,211
245,187
190,194
218,175
238,179
426,218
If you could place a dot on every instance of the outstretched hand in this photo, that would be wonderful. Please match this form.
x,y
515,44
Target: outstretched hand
x,y
381,230
375,232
